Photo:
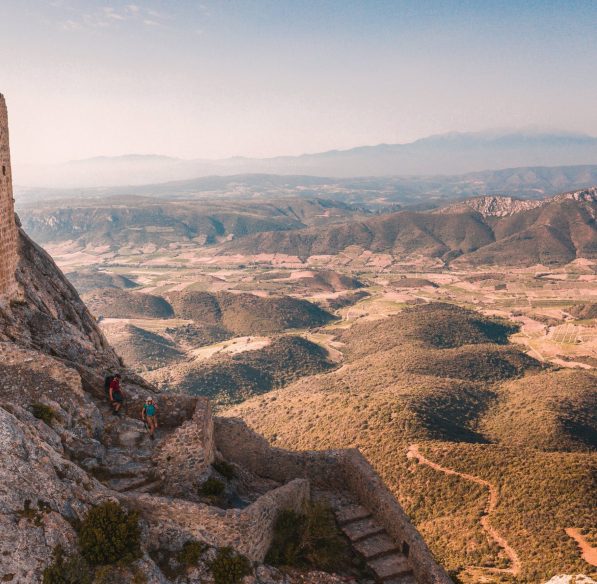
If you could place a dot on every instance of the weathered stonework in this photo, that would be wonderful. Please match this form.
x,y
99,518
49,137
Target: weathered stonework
x,y
8,227
185,455
249,531
329,469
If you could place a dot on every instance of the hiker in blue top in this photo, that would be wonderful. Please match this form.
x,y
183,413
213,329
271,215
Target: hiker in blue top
x,y
149,415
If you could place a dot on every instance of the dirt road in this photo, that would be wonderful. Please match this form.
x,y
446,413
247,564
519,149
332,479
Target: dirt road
x,y
589,553
413,452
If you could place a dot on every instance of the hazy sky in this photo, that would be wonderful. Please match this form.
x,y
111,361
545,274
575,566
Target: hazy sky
x,y
265,77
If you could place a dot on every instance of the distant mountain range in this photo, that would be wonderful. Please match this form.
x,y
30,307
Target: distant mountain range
x,y
373,192
482,231
149,224
448,154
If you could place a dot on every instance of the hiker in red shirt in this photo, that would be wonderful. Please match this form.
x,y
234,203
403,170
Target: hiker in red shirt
x,y
116,395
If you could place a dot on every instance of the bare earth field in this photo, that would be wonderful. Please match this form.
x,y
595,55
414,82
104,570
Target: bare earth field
x,y
537,298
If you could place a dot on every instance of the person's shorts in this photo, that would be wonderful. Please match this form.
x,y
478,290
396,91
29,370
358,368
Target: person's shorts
x,y
117,397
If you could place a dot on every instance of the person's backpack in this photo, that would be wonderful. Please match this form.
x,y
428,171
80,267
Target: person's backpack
x,y
107,382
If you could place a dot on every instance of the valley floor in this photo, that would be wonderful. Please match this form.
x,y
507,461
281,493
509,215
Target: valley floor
x,y
492,511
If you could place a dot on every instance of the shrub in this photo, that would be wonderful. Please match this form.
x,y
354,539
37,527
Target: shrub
x,y
67,569
212,488
118,575
228,567
43,412
110,534
309,539
225,469
190,553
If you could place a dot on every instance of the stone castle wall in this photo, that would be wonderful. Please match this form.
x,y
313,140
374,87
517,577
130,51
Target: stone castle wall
x,y
8,227
249,531
340,469
185,455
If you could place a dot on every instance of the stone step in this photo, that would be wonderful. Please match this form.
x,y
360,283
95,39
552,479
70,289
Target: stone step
x,y
128,483
406,579
376,546
361,529
390,566
351,513
150,487
130,469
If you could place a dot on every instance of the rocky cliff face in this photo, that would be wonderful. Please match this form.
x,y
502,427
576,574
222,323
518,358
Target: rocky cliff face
x,y
52,361
504,206
49,316
498,206
64,454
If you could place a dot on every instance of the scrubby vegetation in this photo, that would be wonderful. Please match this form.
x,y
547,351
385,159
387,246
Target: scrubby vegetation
x,y
308,540
434,325
175,564
401,386
228,567
141,349
88,280
584,311
248,314
119,303
109,541
110,534
212,488
67,569
536,502
199,334
190,553
344,300
43,412
232,378
225,469
552,411
118,575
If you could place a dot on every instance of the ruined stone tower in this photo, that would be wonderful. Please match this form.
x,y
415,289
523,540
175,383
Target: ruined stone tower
x,y
8,227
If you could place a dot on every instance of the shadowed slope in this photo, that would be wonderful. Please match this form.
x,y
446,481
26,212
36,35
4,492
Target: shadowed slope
x,y
247,314
441,376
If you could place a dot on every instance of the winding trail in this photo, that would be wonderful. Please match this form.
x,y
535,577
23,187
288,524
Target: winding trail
x,y
413,452
589,553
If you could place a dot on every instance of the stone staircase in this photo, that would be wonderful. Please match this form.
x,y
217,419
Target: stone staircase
x,y
128,464
369,539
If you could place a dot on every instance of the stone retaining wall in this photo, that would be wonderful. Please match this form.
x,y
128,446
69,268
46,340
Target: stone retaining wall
x,y
184,456
249,530
331,469
368,488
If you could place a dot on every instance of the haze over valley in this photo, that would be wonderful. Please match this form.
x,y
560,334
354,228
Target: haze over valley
x,y
298,292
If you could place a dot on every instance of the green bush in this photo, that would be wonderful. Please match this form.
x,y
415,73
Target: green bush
x,y
225,469
43,412
228,567
212,488
110,534
109,575
190,553
67,569
118,575
309,539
